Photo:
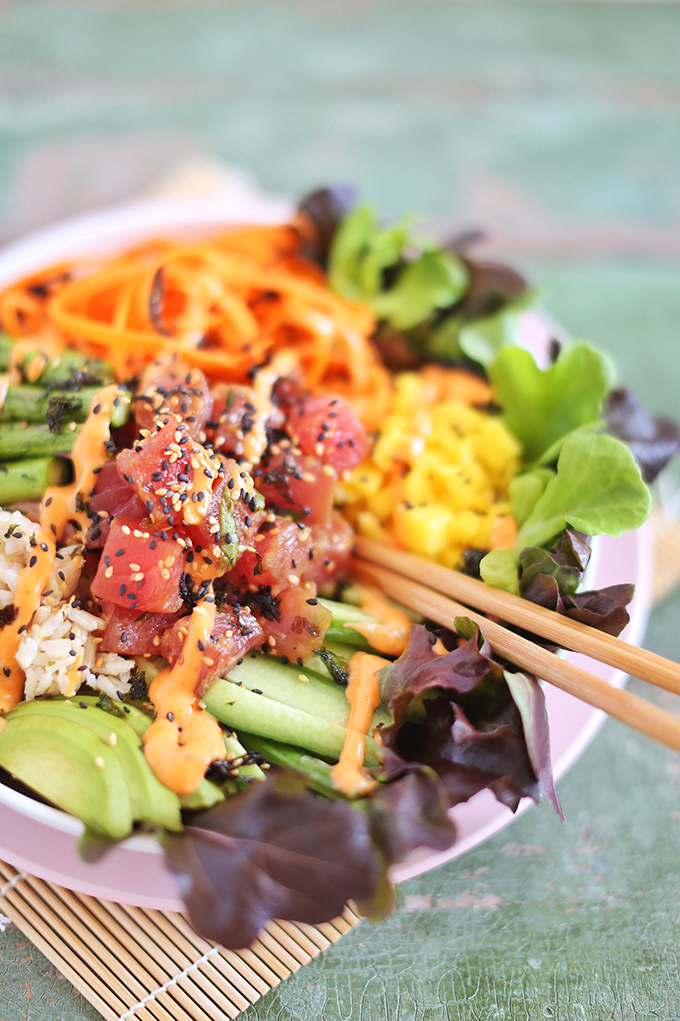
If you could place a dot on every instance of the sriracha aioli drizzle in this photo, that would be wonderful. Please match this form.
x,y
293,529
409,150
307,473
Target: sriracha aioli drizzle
x,y
392,631
184,739
60,503
30,585
58,508
363,694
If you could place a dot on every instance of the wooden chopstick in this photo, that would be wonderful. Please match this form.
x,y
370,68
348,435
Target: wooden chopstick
x,y
570,634
617,703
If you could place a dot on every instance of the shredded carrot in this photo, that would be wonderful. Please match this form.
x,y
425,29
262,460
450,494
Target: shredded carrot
x,y
227,305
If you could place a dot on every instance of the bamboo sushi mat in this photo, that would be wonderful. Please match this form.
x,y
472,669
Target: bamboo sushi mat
x,y
132,963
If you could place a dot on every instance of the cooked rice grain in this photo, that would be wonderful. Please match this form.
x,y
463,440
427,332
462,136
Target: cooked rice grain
x,y
59,650
59,653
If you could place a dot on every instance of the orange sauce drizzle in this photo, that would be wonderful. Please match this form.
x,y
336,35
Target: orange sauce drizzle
x,y
60,503
30,585
363,694
392,631
183,739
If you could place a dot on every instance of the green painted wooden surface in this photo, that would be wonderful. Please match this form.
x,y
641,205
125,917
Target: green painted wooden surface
x,y
554,126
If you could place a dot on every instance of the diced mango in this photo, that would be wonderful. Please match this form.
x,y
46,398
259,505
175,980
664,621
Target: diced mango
x,y
437,479
495,447
464,526
368,524
363,483
423,529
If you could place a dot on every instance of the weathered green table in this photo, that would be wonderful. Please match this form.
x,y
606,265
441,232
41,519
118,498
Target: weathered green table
x,y
555,127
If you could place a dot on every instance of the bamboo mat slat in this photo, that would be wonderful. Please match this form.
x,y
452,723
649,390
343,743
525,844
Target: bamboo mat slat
x,y
134,964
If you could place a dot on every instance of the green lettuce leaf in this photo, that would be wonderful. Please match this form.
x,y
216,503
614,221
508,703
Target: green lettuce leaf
x,y
525,490
378,266
433,280
478,338
597,489
499,569
541,405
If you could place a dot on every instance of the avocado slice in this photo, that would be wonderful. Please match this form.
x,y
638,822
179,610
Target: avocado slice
x,y
151,800
70,766
129,714
205,796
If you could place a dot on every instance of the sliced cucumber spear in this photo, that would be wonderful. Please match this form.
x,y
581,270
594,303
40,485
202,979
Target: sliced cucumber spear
x,y
303,689
315,770
248,711
343,614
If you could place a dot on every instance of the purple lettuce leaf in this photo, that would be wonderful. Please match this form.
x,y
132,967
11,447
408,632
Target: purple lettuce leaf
x,y
528,696
420,669
653,441
550,578
274,851
565,561
604,609
326,208
491,285
469,758
466,728
410,812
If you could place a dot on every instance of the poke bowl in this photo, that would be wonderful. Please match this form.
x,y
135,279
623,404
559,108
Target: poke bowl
x,y
43,840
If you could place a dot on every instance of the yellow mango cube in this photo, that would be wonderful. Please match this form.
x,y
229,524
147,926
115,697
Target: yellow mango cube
x,y
423,529
464,527
495,447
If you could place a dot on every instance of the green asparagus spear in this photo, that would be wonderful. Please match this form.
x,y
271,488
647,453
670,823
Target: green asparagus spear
x,y
19,441
69,370
6,345
28,479
37,404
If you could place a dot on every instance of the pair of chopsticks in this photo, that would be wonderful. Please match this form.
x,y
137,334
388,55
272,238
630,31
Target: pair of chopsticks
x,y
427,588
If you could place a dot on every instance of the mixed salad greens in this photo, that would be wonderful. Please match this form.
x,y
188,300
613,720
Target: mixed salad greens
x,y
268,833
